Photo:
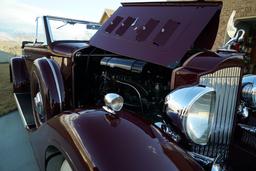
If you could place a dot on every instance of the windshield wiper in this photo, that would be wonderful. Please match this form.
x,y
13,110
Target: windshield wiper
x,y
67,22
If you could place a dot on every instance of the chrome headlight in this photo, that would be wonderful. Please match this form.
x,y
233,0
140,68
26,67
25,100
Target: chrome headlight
x,y
249,90
191,109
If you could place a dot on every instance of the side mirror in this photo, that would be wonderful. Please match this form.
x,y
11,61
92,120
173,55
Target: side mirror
x,y
24,43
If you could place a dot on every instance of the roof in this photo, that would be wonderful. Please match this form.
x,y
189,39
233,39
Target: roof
x,y
106,14
109,12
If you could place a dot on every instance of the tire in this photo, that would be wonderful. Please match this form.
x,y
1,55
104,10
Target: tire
x,y
47,90
58,163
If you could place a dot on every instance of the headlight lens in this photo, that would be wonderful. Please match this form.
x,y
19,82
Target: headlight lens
x,y
193,108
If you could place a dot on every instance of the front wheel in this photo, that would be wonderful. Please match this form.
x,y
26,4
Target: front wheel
x,y
47,90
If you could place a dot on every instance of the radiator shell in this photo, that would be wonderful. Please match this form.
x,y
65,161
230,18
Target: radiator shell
x,y
226,84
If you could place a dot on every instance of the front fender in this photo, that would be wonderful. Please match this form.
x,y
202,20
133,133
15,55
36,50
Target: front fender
x,y
102,141
19,75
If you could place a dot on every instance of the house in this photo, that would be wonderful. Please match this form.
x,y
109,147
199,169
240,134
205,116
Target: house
x,y
106,14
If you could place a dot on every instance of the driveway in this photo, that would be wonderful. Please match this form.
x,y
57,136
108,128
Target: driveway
x,y
15,150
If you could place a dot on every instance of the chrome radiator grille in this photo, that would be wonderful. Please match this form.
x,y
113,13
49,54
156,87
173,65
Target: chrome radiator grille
x,y
226,84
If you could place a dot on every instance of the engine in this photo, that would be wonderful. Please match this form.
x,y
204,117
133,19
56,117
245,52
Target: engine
x,y
142,85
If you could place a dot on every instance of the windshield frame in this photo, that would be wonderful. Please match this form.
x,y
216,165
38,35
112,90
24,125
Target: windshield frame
x,y
49,31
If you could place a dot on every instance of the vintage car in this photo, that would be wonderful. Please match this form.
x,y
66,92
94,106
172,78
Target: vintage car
x,y
144,93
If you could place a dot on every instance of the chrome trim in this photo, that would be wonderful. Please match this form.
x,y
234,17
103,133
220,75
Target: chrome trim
x,y
164,127
182,99
20,112
107,109
36,34
201,158
243,111
247,93
226,83
56,81
216,167
249,90
249,78
238,37
249,128
38,103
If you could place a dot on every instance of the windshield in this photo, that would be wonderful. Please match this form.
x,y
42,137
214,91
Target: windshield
x,y
67,29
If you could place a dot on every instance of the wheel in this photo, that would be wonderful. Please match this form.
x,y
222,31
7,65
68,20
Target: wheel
x,y
58,163
47,90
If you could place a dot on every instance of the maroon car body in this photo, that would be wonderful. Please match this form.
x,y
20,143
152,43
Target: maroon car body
x,y
143,52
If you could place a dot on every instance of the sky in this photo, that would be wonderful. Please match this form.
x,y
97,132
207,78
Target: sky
x,y
18,16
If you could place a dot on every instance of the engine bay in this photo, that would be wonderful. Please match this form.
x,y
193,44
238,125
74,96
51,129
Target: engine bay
x,y
142,85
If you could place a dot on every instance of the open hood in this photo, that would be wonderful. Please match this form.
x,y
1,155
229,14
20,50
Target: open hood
x,y
159,32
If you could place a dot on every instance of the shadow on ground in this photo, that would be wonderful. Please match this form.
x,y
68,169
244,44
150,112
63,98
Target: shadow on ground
x,y
15,150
